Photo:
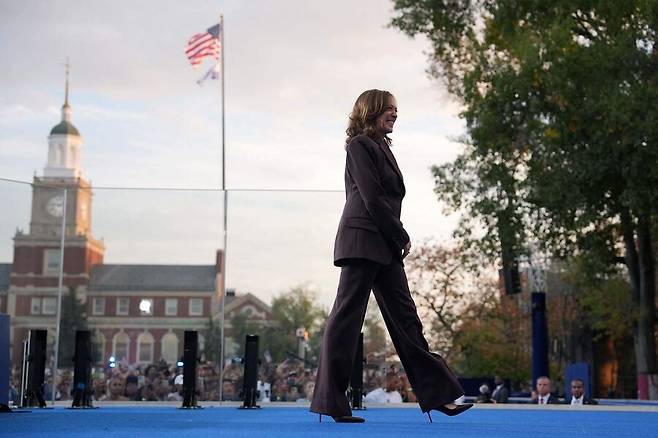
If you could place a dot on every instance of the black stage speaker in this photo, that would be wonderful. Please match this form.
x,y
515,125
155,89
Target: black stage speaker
x,y
249,387
36,369
82,389
356,381
190,359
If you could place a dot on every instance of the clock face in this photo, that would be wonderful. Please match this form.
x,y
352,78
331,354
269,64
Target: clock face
x,y
55,206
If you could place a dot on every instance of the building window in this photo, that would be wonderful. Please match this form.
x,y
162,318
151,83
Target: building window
x,y
170,348
35,307
145,347
123,306
99,306
120,347
196,306
146,307
51,261
171,307
49,305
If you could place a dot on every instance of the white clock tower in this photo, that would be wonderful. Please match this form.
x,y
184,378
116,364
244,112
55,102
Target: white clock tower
x,y
64,144
36,265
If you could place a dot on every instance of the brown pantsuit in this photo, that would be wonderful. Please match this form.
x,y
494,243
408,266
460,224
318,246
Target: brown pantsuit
x,y
368,247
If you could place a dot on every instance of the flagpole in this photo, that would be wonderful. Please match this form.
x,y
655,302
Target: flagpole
x,y
222,303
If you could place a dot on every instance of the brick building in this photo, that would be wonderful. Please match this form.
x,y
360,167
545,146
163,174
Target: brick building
x,y
136,312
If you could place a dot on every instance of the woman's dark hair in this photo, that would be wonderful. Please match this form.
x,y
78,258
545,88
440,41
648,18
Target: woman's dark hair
x,y
368,106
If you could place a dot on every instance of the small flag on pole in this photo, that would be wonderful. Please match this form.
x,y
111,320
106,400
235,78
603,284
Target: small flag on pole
x,y
202,45
213,74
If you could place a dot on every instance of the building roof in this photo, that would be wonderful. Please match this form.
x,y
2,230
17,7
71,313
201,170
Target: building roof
x,y
236,302
65,127
153,277
5,275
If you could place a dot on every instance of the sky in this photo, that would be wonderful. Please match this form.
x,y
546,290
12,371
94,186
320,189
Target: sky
x,y
293,70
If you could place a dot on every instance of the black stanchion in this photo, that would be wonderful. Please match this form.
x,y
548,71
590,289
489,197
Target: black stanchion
x,y
82,389
36,369
539,337
356,381
190,359
5,366
249,387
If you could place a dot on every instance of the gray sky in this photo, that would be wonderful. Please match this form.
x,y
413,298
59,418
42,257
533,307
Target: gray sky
x,y
293,71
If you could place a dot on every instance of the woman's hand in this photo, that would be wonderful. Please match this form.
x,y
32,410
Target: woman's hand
x,y
406,249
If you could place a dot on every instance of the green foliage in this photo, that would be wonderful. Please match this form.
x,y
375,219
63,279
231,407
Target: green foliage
x,y
213,346
241,327
495,342
559,102
374,333
291,310
604,302
465,317
73,318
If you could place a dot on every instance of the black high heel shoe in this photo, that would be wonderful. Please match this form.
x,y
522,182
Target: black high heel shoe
x,y
346,419
458,409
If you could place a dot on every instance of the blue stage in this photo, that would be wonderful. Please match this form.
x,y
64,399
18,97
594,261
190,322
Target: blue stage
x,y
272,421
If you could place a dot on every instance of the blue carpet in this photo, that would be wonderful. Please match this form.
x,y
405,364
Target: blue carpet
x,y
164,422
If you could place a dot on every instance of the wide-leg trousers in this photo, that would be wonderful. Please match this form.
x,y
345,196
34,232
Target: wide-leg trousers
x,y
431,379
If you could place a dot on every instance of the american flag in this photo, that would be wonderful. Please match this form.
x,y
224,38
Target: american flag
x,y
202,45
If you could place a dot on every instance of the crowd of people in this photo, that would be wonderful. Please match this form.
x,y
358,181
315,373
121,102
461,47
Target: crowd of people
x,y
289,381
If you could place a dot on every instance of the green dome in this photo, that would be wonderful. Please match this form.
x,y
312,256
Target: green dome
x,y
65,127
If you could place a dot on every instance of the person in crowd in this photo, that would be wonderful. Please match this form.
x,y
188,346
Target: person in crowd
x,y
47,388
408,395
161,387
293,394
485,394
146,392
500,393
176,392
544,396
389,394
371,244
131,390
116,389
309,386
578,397
229,392
100,388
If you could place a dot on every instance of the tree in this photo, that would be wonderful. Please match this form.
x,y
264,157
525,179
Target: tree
x,y
465,316
241,328
291,310
495,340
437,282
73,318
213,346
559,107
375,344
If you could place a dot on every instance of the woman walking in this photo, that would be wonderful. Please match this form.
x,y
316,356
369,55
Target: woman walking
x,y
370,246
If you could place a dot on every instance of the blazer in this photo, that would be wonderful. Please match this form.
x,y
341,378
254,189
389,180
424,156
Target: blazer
x,y
501,396
586,401
370,226
552,400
